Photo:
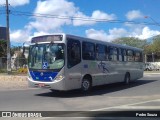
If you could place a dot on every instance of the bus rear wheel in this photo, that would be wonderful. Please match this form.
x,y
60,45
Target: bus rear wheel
x,y
86,85
127,79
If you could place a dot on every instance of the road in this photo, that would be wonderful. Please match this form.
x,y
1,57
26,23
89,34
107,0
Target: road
x,y
144,94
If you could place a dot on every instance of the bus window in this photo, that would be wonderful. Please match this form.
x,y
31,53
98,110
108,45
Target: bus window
x,y
101,52
130,56
120,54
113,54
88,52
74,52
124,55
137,57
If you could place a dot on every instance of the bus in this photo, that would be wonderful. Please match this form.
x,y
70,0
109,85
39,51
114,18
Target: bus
x,y
66,62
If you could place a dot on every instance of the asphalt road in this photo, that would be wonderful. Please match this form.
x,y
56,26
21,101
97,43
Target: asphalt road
x,y
143,94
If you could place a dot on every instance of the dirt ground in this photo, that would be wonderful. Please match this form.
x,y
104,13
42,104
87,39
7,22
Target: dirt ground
x,y
13,82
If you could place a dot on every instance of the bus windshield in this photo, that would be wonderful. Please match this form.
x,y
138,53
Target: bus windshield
x,y
46,56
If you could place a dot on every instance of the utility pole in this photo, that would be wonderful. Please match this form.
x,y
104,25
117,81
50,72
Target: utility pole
x,y
8,40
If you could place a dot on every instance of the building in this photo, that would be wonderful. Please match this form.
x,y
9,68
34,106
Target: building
x,y
3,33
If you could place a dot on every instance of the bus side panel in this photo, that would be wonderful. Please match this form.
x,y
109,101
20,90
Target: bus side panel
x,y
137,70
115,72
73,77
96,69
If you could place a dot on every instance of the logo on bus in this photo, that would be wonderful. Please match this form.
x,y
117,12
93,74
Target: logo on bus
x,y
45,65
103,66
41,74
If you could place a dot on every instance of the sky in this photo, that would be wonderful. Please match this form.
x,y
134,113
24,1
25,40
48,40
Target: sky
x,y
105,20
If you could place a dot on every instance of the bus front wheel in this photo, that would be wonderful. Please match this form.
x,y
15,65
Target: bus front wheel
x,y
86,85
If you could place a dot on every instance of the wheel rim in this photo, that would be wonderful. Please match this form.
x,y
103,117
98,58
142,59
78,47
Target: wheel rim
x,y
127,79
86,85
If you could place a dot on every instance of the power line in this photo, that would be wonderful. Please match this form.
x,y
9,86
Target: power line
x,y
20,13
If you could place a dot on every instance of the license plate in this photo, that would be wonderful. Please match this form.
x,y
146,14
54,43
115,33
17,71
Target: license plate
x,y
41,84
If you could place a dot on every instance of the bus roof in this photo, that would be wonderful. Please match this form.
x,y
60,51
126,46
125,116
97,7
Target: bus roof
x,y
40,39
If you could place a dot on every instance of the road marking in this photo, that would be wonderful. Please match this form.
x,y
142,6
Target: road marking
x,y
128,105
141,107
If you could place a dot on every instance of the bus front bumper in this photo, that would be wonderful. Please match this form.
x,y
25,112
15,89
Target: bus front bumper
x,y
55,85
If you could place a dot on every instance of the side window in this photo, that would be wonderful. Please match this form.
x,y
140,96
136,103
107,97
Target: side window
x,y
74,52
130,56
141,57
120,54
113,54
137,57
124,55
88,52
101,52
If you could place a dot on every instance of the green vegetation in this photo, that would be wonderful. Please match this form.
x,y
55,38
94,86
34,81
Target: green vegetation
x,y
153,47
22,70
131,41
3,48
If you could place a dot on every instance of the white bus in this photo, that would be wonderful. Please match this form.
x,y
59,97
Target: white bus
x,y
65,62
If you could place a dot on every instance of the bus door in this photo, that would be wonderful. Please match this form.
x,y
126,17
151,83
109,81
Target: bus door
x,y
73,70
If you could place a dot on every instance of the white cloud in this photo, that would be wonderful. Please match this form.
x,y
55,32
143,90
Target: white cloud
x,y
15,3
145,33
56,8
95,34
141,33
20,36
106,36
97,14
90,20
134,14
50,23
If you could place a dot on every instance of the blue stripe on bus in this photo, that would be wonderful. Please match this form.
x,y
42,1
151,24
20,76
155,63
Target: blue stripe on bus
x,y
43,76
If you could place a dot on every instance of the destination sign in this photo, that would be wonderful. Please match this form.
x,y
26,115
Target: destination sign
x,y
47,38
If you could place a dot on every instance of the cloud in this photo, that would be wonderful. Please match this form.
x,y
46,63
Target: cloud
x,y
20,36
62,14
106,36
96,34
146,33
141,33
15,3
90,20
60,8
54,18
134,14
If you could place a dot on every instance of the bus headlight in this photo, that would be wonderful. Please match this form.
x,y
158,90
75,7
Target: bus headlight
x,y
59,77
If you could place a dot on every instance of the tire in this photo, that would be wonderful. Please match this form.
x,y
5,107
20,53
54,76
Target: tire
x,y
127,79
86,85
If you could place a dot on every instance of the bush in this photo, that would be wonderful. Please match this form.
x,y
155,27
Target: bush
x,y
3,70
22,70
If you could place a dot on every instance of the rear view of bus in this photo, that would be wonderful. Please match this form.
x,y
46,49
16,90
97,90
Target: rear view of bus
x,y
46,62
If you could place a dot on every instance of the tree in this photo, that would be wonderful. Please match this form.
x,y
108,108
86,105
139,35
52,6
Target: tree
x,y
3,48
156,44
20,60
131,41
154,47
